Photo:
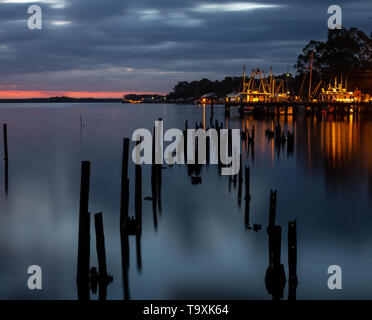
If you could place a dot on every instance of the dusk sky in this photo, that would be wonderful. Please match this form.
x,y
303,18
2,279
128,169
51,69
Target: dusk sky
x,y
104,48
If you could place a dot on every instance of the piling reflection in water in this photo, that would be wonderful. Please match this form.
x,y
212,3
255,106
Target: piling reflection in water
x,y
203,235
277,137
88,279
275,275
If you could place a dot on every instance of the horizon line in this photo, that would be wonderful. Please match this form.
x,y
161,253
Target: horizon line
x,y
35,94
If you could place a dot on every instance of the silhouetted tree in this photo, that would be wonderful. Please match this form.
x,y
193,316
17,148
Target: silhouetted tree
x,y
346,51
196,89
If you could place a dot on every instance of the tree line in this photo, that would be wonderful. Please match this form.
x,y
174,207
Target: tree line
x,y
346,52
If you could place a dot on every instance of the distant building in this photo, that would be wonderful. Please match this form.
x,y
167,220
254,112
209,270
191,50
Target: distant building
x,y
144,98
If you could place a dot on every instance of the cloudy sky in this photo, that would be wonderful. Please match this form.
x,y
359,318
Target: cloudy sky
x,y
109,47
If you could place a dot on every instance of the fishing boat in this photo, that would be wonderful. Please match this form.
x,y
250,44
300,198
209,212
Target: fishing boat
x,y
339,93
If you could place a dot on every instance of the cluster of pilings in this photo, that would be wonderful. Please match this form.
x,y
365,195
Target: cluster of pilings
x,y
275,278
194,170
131,226
246,136
281,138
89,278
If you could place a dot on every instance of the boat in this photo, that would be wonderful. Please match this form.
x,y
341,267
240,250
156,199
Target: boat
x,y
338,93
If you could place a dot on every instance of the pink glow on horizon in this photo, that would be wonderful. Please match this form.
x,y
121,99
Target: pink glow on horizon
x,y
21,94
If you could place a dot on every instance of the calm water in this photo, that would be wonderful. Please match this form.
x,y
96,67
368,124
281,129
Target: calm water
x,y
201,248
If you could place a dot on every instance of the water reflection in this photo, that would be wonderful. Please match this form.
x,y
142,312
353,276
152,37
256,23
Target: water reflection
x,y
193,235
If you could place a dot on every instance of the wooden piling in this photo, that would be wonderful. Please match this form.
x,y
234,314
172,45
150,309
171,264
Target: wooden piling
x,y
124,195
124,241
247,198
158,186
84,235
154,196
138,195
5,142
229,136
103,278
240,183
100,245
247,184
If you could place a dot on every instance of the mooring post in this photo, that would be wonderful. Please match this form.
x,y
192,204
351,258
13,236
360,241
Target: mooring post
x,y
247,198
240,182
103,278
275,278
124,195
5,142
124,239
158,187
229,132
154,183
138,195
100,245
81,125
247,184
84,235
6,156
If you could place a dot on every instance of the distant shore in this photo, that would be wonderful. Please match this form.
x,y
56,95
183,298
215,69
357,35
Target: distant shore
x,y
61,100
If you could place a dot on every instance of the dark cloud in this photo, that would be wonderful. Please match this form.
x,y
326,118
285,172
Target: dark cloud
x,y
115,45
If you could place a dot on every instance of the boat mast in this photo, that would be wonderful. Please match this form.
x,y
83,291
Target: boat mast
x,y
244,79
311,72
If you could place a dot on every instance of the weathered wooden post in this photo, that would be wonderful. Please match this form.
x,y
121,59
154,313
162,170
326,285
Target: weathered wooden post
x,y
103,278
240,182
185,139
154,195
138,195
6,156
5,142
247,185
84,235
124,241
100,244
158,186
275,275
81,125
124,195
154,184
138,212
208,147
247,198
